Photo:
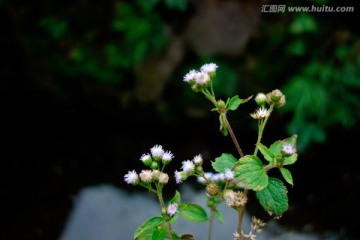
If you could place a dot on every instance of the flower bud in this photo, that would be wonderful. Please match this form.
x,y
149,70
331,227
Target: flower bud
x,y
212,189
276,98
154,165
260,99
220,104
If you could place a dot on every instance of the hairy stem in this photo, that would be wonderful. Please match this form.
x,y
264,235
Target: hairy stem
x,y
232,135
162,204
211,221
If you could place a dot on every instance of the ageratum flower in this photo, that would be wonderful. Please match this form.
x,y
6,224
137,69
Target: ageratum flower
x,y
209,68
178,177
288,149
188,166
172,209
157,151
167,156
131,177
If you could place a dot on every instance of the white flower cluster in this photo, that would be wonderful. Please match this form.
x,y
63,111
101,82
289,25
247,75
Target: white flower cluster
x,y
288,149
228,175
188,167
154,159
203,77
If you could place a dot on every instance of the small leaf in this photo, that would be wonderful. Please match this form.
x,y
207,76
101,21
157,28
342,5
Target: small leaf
x,y
275,148
226,160
148,227
193,212
291,159
273,198
268,155
174,218
219,216
287,176
235,102
249,170
176,198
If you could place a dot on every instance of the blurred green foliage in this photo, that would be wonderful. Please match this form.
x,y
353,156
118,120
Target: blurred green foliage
x,y
312,58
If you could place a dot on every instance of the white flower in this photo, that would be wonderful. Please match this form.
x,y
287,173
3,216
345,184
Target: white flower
x,y
172,209
178,177
202,78
216,177
260,113
198,159
288,149
209,68
163,178
167,156
229,174
229,197
190,76
157,151
188,166
145,157
146,175
131,177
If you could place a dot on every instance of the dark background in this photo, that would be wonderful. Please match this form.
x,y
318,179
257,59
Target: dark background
x,y
88,86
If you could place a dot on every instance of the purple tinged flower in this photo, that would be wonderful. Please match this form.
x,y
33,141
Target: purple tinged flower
x,y
131,177
157,151
198,159
178,177
202,78
288,149
229,174
172,209
167,156
190,76
188,166
145,157
209,67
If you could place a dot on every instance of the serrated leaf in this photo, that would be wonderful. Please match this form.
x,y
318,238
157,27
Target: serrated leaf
x,y
275,148
268,155
226,160
287,175
235,102
219,216
249,170
176,198
290,159
273,198
159,234
148,227
193,212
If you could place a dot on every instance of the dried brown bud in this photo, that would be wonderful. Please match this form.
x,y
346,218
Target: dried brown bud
x,y
212,189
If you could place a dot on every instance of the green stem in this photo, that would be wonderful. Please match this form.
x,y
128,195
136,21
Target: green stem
x,y
232,135
162,204
211,221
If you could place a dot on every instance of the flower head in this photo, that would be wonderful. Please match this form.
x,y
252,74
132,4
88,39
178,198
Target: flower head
x,y
288,149
198,159
188,166
208,68
163,178
229,174
190,76
146,175
172,209
202,78
167,156
131,177
260,113
157,151
178,177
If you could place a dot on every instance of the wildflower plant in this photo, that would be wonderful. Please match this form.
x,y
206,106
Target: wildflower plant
x,y
233,177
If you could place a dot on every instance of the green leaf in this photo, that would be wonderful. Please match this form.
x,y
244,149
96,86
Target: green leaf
x,y
174,218
176,198
193,212
226,160
275,148
159,234
291,159
287,176
268,155
219,216
148,227
273,198
235,102
249,170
